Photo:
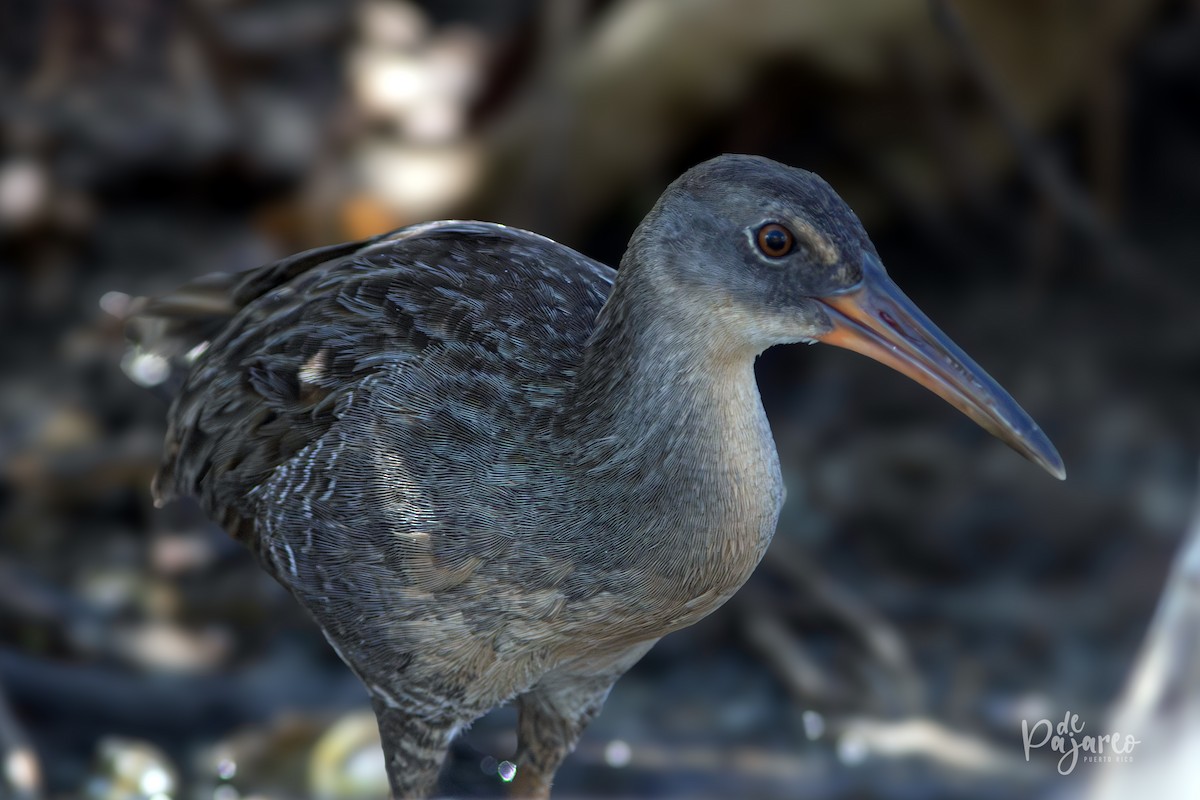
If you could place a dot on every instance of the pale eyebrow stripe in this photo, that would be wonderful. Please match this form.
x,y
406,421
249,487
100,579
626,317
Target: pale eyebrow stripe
x,y
821,245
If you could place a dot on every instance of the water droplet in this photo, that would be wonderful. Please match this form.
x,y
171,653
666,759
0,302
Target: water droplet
x,y
617,754
852,750
146,369
226,769
155,781
814,724
507,770
115,303
488,765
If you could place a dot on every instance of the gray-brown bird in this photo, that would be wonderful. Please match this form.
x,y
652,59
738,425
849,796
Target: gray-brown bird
x,y
495,470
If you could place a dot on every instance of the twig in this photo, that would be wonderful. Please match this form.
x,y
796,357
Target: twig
x,y
170,705
877,635
804,679
930,740
1043,171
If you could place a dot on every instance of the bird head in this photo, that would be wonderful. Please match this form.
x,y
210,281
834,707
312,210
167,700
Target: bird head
x,y
779,257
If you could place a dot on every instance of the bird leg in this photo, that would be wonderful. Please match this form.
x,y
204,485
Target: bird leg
x,y
413,749
553,714
549,724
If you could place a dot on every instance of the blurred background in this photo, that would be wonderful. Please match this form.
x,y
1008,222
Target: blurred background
x,y
1030,172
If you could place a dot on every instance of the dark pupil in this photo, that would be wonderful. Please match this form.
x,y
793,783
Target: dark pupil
x,y
775,240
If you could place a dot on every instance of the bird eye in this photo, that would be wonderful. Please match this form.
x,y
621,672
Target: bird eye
x,y
774,240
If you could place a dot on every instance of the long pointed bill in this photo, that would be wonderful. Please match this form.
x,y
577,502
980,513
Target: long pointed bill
x,y
876,319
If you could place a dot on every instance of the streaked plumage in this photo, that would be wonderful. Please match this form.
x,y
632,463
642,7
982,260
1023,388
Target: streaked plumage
x,y
491,470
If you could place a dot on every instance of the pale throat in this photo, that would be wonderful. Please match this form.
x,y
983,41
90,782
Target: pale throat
x,y
673,400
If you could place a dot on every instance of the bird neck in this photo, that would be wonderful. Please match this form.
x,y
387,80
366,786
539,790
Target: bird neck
x,y
665,402
670,451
